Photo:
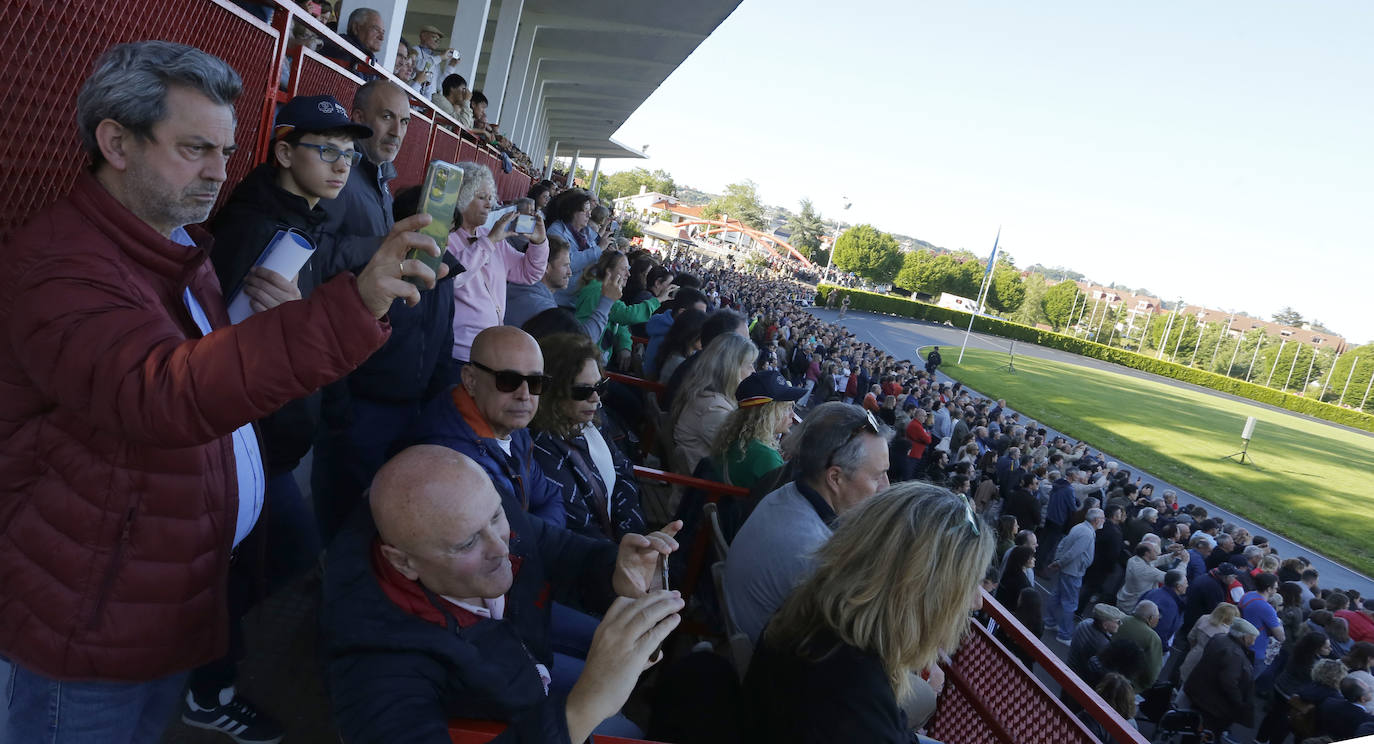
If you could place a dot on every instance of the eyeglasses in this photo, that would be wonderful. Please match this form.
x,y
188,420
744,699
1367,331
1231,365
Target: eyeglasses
x,y
968,514
583,392
508,381
870,424
331,154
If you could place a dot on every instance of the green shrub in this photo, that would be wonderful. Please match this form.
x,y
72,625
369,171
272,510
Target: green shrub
x,y
880,303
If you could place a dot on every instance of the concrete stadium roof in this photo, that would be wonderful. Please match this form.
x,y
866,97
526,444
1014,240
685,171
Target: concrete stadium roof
x,y
596,61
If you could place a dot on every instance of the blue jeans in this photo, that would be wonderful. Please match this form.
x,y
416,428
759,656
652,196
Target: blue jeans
x,y
47,711
1064,602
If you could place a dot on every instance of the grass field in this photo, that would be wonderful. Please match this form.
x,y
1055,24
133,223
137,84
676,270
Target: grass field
x,y
1314,483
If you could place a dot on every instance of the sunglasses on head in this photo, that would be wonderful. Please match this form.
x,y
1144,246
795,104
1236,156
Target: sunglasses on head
x,y
870,425
508,381
583,392
969,515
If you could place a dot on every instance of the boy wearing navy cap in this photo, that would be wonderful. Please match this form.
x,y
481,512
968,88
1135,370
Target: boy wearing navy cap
x,y
311,158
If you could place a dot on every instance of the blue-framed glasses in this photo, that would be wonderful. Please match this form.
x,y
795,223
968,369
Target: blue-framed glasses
x,y
331,154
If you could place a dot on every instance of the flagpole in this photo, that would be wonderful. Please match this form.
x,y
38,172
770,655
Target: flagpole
x,y
978,306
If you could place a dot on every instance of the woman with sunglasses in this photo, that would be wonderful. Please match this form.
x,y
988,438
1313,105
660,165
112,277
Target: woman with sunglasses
x,y
600,493
837,660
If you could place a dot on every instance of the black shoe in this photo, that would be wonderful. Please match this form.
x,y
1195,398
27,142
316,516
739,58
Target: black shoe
x,y
234,716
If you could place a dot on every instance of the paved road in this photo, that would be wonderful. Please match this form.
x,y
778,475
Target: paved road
x,y
901,337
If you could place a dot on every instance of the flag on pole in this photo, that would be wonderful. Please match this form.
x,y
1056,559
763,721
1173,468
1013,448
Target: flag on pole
x,y
992,261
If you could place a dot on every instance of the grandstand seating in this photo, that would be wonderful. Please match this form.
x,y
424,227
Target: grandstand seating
x,y
991,697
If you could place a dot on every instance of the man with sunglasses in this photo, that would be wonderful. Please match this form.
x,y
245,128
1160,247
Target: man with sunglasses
x,y
485,417
839,459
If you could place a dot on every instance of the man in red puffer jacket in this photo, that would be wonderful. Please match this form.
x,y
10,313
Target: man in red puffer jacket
x,y
129,464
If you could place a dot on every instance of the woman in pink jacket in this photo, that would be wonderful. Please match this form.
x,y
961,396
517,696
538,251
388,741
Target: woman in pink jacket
x,y
479,293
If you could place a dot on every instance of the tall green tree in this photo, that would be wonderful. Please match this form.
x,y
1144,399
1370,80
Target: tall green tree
x,y
1032,309
1059,302
869,253
740,202
627,183
1288,316
807,228
1007,291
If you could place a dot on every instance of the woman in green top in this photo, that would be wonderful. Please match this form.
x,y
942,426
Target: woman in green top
x,y
616,341
746,447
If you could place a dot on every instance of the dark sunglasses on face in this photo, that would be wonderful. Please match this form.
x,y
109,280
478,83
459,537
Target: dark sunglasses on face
x,y
583,392
508,381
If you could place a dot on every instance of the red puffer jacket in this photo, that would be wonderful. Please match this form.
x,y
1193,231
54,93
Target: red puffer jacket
x,y
118,489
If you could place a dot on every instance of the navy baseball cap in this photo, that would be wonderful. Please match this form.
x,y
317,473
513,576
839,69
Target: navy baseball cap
x,y
311,114
765,387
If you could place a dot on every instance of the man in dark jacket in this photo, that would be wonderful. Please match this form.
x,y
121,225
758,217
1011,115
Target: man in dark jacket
x,y
485,417
1109,556
1061,507
437,604
1221,687
1340,715
131,466
369,414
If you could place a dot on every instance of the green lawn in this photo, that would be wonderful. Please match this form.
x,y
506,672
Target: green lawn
x,y
1314,483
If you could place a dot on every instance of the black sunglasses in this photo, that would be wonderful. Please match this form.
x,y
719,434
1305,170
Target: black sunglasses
x,y
508,381
583,392
870,424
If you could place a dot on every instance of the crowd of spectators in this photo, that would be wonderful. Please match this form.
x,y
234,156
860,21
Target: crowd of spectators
x,y
488,549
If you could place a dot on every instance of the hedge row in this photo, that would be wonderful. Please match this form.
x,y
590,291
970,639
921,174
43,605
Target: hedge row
x,y
881,303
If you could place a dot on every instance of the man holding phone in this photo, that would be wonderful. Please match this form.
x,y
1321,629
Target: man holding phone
x,y
127,436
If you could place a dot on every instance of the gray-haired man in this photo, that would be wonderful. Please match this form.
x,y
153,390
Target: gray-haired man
x,y
839,454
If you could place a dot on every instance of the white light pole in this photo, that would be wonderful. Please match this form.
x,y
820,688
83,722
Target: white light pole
x,y
1234,353
1193,362
1277,357
1329,374
1179,341
1297,352
1251,368
1347,379
1164,342
1308,379
1225,332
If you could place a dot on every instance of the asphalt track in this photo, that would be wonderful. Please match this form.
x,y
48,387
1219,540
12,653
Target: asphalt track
x,y
901,337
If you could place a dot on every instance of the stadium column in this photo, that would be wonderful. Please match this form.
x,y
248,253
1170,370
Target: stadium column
x,y
515,107
596,175
553,155
393,13
469,26
502,52
572,169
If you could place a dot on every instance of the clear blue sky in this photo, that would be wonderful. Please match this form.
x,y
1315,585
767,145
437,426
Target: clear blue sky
x,y
1218,151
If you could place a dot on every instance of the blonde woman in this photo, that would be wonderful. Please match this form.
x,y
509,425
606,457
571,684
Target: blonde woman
x,y
835,662
706,398
1219,621
746,447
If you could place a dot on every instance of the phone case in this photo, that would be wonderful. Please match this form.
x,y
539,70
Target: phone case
x,y
440,201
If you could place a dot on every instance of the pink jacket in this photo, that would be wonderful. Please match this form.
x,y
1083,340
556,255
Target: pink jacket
x,y
479,293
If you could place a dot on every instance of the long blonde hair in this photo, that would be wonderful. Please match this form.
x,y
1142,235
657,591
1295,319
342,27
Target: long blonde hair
x,y
751,424
897,579
716,370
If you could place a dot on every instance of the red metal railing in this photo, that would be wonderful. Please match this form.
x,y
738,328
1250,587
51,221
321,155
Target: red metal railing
x,y
464,731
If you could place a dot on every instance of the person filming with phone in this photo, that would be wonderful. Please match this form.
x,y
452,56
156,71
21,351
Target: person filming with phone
x,y
436,607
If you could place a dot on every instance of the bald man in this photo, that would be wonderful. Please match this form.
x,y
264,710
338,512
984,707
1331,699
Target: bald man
x,y
485,415
437,606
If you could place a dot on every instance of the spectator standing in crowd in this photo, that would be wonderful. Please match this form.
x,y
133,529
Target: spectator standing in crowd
x,y
524,301
840,456
379,403
426,55
1139,628
436,607
365,32
1109,553
707,397
1071,560
615,341
567,217
660,325
1256,609
489,262
484,417
1339,716
845,646
600,493
683,340
1297,672
1169,600
718,323
933,360
1221,686
1217,622
1144,571
121,360
1017,574
453,98
1091,636
746,450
